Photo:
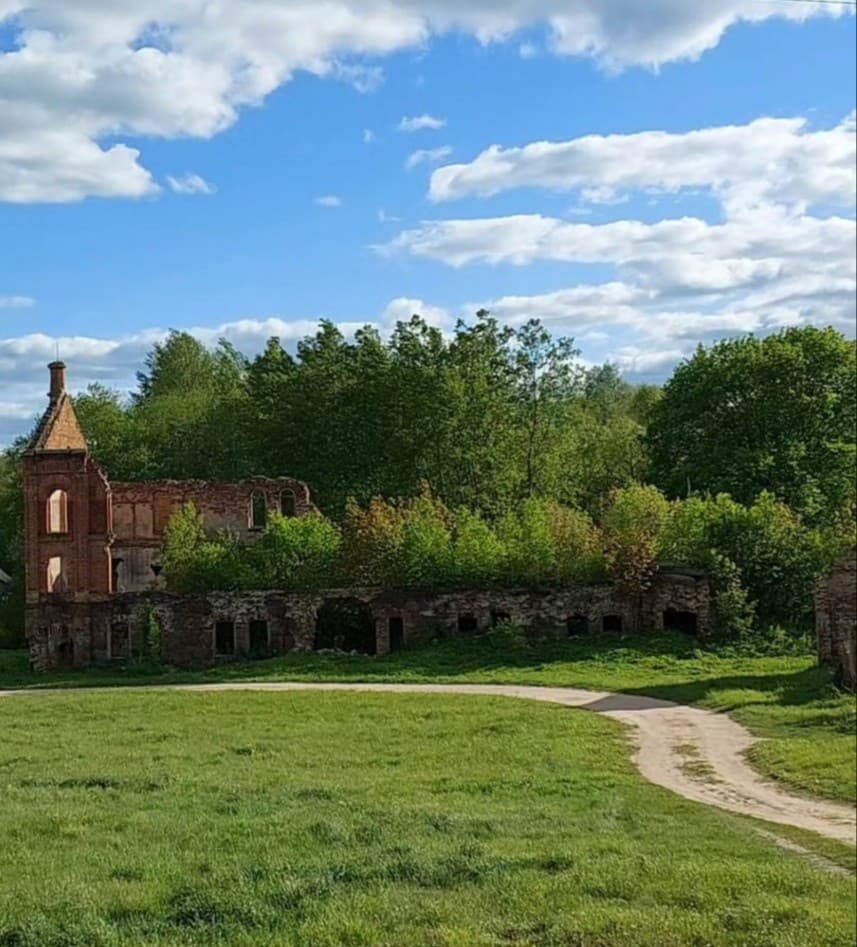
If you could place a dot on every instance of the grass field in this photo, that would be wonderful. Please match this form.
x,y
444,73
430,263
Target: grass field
x,y
808,724
167,818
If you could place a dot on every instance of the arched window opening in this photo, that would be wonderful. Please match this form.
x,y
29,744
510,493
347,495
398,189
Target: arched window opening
x,y
611,624
58,512
56,579
258,510
577,625
468,624
288,503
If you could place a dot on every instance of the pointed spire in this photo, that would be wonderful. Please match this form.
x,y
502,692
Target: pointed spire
x,y
59,428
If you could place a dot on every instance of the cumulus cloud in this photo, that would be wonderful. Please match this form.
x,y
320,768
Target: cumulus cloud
x,y
768,160
418,123
783,253
329,200
190,184
427,156
403,307
17,302
79,75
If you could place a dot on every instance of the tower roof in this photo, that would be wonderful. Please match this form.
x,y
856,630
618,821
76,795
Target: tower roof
x,y
58,428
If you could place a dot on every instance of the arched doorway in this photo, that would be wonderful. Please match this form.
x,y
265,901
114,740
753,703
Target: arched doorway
x,y
345,624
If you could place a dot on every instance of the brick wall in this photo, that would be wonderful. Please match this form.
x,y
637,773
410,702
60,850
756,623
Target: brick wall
x,y
141,512
371,620
836,619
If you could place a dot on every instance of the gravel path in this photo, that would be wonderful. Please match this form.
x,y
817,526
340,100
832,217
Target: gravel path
x,y
695,753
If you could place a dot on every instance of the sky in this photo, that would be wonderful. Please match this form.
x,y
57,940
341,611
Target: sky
x,y
642,177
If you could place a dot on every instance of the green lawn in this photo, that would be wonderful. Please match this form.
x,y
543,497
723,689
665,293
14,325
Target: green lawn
x,y
315,819
808,724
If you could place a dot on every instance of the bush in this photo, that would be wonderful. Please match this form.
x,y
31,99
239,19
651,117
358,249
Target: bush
x,y
294,553
633,524
478,554
764,548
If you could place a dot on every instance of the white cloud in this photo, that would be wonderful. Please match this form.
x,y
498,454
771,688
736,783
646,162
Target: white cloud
x,y
419,123
427,156
385,218
402,308
368,136
80,75
17,302
190,184
364,78
684,254
768,160
329,200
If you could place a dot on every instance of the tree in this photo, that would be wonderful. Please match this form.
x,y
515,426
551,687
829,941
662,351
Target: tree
x,y
750,415
548,375
633,525
12,548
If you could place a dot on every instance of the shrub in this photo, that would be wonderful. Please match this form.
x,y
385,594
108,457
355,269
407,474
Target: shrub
x,y
294,553
478,554
633,524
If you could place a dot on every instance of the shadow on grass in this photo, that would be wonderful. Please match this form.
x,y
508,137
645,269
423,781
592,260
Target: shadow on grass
x,y
666,666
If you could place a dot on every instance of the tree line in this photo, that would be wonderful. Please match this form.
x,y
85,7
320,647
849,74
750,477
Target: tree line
x,y
493,423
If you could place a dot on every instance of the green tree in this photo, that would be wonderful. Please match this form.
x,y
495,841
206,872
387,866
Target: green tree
x,y
294,553
479,556
633,524
548,376
750,415
11,548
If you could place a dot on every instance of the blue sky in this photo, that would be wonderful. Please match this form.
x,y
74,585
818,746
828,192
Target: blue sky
x,y
638,245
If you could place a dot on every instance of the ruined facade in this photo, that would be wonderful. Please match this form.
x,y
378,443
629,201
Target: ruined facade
x,y
836,619
95,593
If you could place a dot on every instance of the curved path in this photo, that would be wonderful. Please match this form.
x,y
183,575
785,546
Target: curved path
x,y
695,753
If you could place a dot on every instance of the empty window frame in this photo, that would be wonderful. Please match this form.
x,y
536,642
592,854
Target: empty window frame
x,y
611,623
577,625
119,643
259,640
467,623
58,512
677,620
258,510
288,503
224,637
396,628
55,578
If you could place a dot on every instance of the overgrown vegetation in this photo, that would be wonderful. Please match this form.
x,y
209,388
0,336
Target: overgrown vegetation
x,y
214,819
512,462
763,558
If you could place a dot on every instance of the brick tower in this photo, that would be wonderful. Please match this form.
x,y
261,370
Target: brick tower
x,y
67,533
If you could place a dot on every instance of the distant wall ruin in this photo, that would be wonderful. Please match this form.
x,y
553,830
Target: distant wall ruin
x,y
198,631
836,620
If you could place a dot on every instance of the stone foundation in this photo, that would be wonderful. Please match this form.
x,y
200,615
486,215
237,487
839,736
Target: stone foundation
x,y
198,631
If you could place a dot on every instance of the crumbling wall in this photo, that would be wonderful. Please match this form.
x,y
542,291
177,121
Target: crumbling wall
x,y
205,630
836,620
141,512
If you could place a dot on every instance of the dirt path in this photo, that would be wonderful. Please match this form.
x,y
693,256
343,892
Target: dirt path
x,y
695,753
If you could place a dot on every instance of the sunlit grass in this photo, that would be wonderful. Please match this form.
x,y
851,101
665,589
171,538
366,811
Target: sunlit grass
x,y
808,725
243,818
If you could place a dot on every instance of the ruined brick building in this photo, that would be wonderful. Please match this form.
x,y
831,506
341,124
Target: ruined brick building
x,y
836,619
94,584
